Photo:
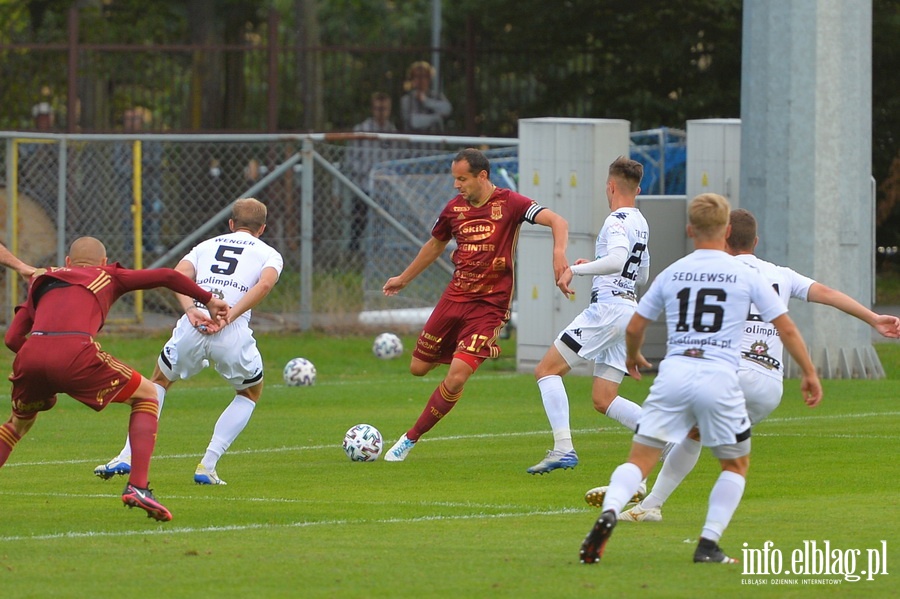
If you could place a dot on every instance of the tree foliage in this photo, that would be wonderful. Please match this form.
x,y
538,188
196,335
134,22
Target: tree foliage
x,y
886,117
655,63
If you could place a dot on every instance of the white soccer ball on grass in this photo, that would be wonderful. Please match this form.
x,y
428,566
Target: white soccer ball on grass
x,y
363,443
299,372
387,346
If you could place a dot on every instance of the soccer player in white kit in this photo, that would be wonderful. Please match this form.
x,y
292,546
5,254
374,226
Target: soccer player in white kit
x,y
706,297
761,372
241,269
598,333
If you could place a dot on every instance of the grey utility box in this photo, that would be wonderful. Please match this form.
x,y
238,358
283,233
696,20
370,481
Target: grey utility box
x,y
713,161
563,164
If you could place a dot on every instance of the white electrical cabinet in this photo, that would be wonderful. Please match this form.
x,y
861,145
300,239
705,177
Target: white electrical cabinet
x,y
714,160
563,165
667,219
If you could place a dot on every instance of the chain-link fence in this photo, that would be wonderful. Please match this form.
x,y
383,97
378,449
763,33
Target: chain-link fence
x,y
346,211
359,216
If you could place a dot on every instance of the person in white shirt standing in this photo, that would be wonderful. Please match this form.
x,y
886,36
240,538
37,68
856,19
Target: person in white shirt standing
x,y
706,297
761,372
598,333
423,108
241,269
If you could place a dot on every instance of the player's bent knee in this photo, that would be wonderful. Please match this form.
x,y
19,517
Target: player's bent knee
x,y
601,404
417,370
734,456
253,393
419,367
22,425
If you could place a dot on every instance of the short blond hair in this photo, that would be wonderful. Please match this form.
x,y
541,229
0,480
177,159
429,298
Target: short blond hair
x,y
708,215
248,213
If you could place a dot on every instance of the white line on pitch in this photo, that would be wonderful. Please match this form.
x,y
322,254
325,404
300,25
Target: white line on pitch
x,y
613,429
828,417
269,526
294,500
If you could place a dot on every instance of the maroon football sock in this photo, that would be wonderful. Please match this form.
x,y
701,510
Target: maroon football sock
x,y
8,440
142,433
440,402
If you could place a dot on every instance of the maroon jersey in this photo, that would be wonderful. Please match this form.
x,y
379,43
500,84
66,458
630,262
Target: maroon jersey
x,y
486,239
77,299
61,355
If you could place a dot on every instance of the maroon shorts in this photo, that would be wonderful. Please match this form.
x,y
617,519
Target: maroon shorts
x,y
72,364
469,329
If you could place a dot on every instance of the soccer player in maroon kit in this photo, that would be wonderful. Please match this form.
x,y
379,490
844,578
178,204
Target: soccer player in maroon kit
x,y
463,328
65,309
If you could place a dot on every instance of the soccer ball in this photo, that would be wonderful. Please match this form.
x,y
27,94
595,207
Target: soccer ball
x,y
363,443
387,346
299,372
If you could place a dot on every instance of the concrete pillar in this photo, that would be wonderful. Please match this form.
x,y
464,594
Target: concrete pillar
x,y
806,146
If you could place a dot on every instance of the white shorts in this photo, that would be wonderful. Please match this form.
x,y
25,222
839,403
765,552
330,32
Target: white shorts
x,y
232,351
598,334
692,391
762,393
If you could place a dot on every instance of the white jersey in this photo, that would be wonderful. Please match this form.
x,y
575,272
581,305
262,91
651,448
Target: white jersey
x,y
706,297
627,228
229,265
761,347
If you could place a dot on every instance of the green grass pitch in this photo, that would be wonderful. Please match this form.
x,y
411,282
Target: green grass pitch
x,y
459,518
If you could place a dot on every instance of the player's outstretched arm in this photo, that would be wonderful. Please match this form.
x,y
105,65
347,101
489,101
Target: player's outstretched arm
x,y
218,309
255,294
565,280
430,251
888,326
9,260
559,229
198,319
810,385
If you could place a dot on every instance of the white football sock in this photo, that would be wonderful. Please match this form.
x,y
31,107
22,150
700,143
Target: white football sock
x,y
556,405
624,482
679,463
624,411
228,427
723,502
125,454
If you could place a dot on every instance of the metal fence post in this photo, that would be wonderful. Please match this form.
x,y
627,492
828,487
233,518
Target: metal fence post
x,y
11,186
61,201
306,235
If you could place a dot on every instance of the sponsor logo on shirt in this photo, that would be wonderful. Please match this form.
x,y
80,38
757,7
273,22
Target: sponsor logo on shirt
x,y
759,354
477,230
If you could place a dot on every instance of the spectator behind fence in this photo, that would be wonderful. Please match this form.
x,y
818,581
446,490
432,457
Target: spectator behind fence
x,y
43,116
423,109
362,155
134,121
